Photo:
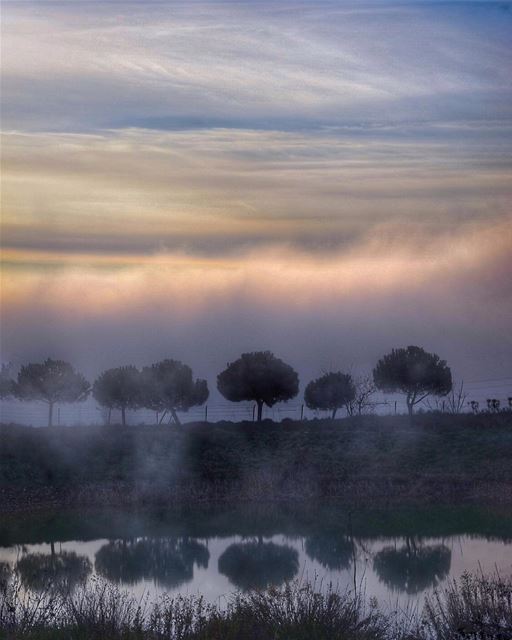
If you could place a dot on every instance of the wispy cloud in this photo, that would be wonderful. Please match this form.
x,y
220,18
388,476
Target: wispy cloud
x,y
350,307
287,63
216,191
206,177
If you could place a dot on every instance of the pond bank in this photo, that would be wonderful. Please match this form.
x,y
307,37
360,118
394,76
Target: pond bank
x,y
387,491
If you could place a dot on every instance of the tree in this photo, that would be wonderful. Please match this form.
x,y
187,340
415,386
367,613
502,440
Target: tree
x,y
330,392
332,550
258,377
51,381
7,384
167,561
62,572
169,386
363,403
457,399
118,388
413,568
415,373
256,565
5,575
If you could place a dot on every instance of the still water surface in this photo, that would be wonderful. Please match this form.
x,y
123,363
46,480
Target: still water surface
x,y
398,555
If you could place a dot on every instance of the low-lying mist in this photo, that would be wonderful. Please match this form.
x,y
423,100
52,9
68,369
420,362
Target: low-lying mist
x,y
318,312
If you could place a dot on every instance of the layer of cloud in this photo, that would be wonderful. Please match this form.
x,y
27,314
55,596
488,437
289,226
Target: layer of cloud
x,y
266,64
453,297
326,179
214,192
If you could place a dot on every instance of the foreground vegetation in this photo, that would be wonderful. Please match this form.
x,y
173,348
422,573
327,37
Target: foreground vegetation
x,y
476,608
438,456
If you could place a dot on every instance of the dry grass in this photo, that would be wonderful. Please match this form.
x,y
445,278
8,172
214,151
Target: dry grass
x,y
475,608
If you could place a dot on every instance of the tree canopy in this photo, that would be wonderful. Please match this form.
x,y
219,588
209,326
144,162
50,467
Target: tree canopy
x,y
415,373
7,384
330,392
258,377
331,550
256,565
413,568
51,381
65,570
168,561
169,386
118,388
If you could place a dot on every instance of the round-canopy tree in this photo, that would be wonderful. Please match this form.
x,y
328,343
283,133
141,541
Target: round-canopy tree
x,y
331,549
62,571
413,568
415,373
118,388
256,565
51,381
330,392
258,377
169,386
7,384
167,561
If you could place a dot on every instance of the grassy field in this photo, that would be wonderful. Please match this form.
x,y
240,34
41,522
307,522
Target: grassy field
x,y
438,456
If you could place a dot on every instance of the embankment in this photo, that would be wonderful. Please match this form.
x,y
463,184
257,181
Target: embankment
x,y
438,458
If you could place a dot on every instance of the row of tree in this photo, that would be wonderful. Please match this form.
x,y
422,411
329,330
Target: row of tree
x,y
168,387
252,564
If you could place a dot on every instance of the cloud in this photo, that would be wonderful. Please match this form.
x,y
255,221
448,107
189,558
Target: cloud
x,y
213,192
343,310
269,64
327,179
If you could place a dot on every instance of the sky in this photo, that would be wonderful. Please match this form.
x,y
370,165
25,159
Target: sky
x,y
327,180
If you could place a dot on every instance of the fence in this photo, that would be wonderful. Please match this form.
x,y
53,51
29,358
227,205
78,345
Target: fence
x,y
36,414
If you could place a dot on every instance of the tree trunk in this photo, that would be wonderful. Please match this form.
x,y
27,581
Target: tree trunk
x,y
175,416
109,415
333,414
50,414
260,409
163,416
410,409
411,398
123,415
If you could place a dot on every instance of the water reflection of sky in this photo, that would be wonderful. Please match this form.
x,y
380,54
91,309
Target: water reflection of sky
x,y
393,570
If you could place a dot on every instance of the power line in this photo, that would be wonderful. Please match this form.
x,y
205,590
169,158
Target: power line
x,y
488,380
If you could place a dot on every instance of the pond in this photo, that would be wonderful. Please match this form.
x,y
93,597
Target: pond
x,y
397,555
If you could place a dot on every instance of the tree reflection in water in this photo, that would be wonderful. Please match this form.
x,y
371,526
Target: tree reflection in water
x,y
63,571
256,565
332,551
167,561
5,574
413,568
